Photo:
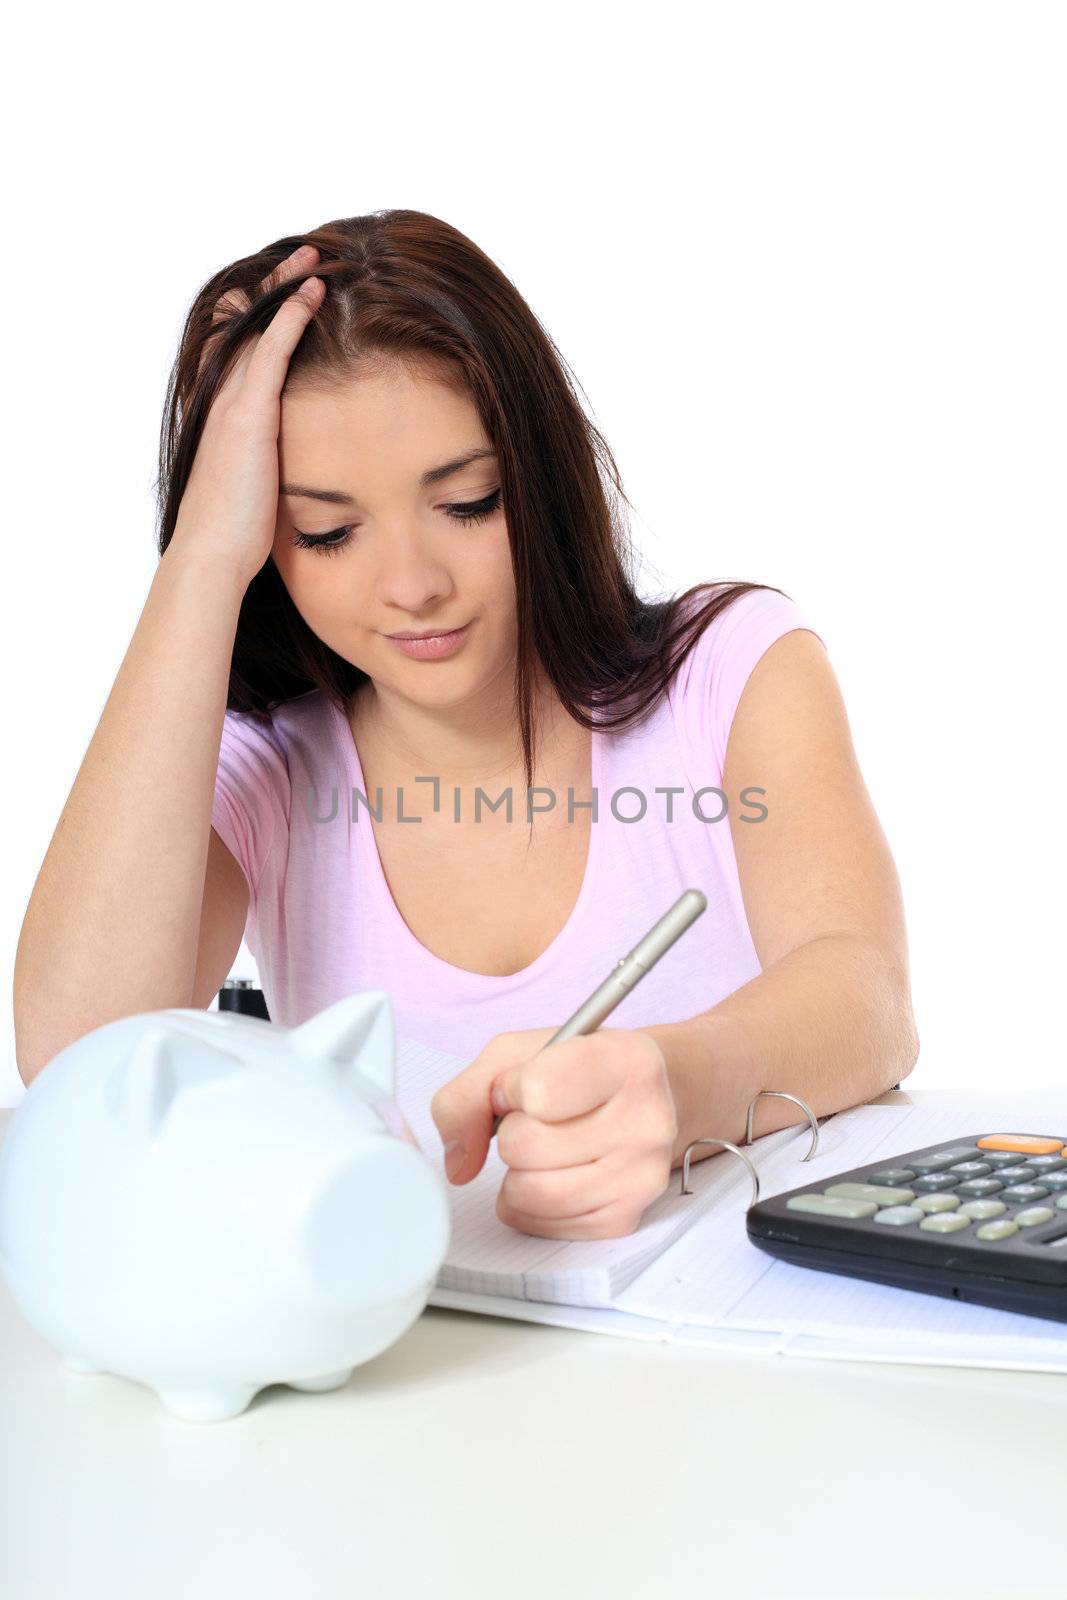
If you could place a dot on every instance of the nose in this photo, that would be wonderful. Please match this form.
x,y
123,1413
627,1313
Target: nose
x,y
411,579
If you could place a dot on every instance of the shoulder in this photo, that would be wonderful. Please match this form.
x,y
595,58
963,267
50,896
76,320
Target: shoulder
x,y
819,863
261,754
272,739
253,756
710,682
260,758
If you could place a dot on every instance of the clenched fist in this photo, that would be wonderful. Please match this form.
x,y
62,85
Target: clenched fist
x,y
588,1129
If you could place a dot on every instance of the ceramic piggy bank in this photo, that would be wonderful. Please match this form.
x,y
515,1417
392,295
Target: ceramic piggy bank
x,y
209,1203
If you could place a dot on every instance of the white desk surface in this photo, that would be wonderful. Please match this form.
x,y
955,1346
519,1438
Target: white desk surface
x,y
481,1457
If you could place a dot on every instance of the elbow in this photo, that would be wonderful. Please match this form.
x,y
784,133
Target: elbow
x,y
893,1020
911,1055
28,1061
37,1041
26,1070
905,1041
31,1050
31,1045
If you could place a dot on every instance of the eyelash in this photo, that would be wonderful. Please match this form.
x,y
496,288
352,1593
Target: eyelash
x,y
327,543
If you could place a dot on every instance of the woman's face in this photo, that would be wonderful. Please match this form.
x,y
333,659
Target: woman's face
x,y
401,561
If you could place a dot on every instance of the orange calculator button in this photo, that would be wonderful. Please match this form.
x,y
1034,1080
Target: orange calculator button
x,y
1027,1144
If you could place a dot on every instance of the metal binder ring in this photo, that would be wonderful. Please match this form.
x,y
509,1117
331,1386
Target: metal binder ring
x,y
780,1094
726,1146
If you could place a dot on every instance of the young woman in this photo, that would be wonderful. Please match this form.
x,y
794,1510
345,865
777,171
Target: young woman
x,y
370,437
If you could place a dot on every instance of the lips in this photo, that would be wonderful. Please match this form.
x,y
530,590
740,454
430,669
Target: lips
x,y
434,647
431,633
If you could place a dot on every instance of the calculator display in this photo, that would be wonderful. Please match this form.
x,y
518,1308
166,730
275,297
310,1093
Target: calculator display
x,y
981,1218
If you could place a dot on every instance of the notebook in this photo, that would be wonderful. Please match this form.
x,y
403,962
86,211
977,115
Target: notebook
x,y
487,1256
689,1274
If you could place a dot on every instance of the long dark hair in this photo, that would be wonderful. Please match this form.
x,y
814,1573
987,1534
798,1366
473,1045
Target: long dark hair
x,y
406,285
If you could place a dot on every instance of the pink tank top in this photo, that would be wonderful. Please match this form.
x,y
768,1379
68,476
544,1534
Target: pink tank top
x,y
323,924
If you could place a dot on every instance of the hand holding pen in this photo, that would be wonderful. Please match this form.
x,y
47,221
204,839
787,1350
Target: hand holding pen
x,y
589,1127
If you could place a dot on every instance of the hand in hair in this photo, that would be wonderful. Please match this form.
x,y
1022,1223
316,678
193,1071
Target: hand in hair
x,y
229,506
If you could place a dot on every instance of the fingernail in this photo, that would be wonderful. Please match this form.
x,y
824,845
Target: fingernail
x,y
455,1155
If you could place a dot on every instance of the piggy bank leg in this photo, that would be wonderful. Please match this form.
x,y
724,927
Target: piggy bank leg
x,y
319,1385
208,1405
79,1364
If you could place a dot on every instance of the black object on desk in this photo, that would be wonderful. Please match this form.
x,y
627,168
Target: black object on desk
x,y
240,994
981,1218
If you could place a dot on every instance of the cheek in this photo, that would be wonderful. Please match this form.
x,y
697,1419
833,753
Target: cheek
x,y
300,570
490,565
312,584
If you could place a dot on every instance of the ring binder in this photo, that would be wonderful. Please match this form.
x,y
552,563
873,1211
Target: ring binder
x,y
726,1146
778,1094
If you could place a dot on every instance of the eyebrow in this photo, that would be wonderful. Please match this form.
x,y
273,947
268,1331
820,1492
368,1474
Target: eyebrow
x,y
335,497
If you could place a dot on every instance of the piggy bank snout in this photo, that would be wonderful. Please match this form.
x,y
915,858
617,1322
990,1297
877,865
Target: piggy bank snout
x,y
379,1227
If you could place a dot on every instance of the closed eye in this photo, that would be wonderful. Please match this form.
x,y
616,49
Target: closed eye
x,y
475,511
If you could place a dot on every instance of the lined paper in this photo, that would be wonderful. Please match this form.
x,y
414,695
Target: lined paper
x,y
712,1287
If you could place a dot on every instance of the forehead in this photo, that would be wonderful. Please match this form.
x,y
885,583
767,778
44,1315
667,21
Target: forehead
x,y
389,406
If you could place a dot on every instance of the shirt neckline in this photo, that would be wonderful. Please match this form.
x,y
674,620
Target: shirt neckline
x,y
462,977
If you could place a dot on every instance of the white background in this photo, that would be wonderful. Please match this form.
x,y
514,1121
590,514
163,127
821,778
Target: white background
x,y
808,265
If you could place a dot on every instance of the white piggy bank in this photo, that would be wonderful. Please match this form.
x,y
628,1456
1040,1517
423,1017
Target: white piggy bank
x,y
207,1203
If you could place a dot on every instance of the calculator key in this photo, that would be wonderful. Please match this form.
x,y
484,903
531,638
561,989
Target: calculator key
x,y
979,1188
1046,1164
1021,1194
934,1163
869,1191
960,1152
898,1216
999,1158
829,1205
1061,1203
1016,1174
1056,1182
1035,1214
892,1177
983,1210
998,1230
946,1222
934,1182
972,1169
931,1203
1026,1144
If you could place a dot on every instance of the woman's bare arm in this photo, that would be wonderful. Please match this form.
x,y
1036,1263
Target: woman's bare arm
x,y
113,926
113,921
830,1016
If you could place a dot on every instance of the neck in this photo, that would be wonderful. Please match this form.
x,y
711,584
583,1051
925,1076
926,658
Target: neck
x,y
476,742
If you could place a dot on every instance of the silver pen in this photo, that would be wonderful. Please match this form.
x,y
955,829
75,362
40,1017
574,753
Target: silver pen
x,y
628,972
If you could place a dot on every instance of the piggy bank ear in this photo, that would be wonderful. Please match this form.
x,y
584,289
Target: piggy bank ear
x,y
357,1032
142,1089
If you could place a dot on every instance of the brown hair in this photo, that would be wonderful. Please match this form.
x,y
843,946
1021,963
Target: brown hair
x,y
407,286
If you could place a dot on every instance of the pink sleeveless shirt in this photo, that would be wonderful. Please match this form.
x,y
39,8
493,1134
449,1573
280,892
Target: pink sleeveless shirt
x,y
322,922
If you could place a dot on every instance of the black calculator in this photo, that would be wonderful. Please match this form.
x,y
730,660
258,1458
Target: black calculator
x,y
980,1218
